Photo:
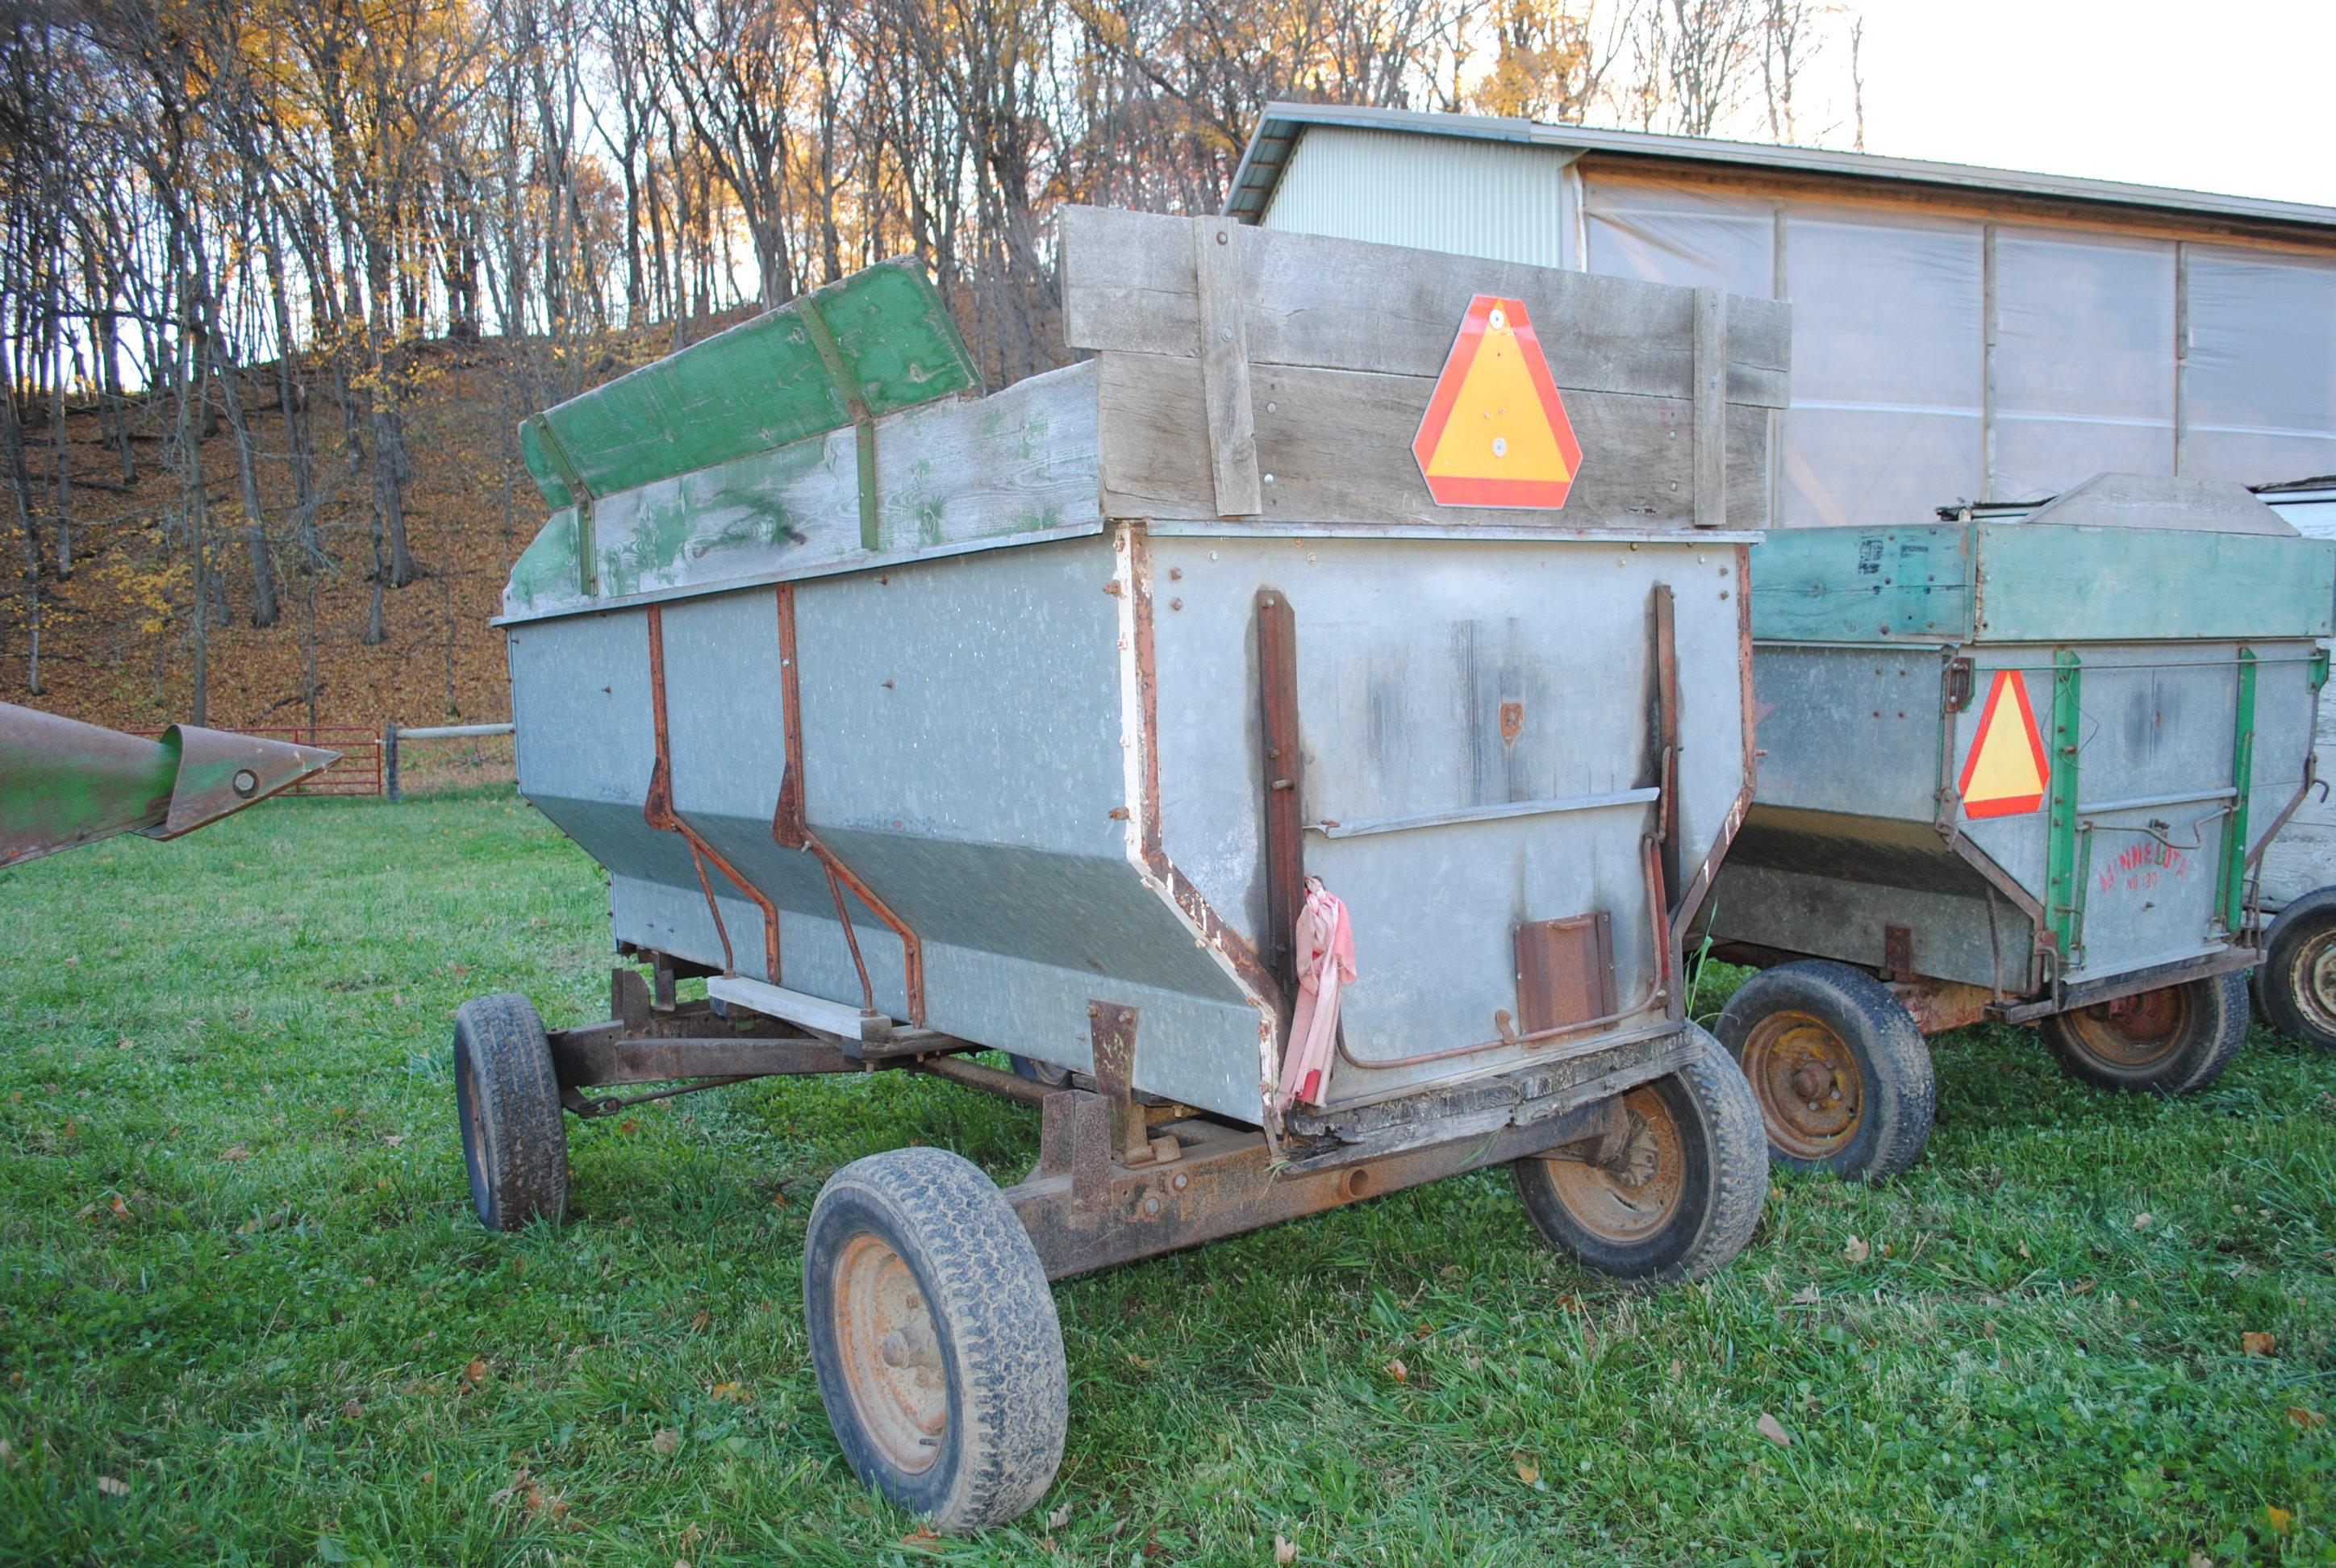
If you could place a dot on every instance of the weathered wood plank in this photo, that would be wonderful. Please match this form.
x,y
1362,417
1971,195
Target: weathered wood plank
x,y
1224,368
1336,304
1710,404
1019,462
1335,446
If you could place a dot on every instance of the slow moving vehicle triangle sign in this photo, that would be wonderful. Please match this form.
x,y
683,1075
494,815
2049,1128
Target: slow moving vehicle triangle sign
x,y
1495,432
2008,769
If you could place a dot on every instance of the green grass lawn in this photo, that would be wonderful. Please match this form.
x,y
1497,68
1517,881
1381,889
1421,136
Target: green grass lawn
x,y
246,1314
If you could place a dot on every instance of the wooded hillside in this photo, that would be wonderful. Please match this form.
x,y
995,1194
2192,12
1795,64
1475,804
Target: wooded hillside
x,y
278,277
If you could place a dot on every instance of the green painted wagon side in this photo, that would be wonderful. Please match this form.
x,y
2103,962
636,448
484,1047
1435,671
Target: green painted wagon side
x,y
2157,640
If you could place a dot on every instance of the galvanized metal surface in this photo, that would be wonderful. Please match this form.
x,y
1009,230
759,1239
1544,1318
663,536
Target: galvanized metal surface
x,y
1004,793
2175,712
63,782
1481,199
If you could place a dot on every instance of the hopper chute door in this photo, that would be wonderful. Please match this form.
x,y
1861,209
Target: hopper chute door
x,y
2109,780
1482,787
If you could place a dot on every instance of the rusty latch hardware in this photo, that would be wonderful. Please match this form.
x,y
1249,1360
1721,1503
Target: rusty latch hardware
x,y
1958,685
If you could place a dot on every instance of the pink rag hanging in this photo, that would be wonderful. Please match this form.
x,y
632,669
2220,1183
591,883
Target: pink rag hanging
x,y
1326,962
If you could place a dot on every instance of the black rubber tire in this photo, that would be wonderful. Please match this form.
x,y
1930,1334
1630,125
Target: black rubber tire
x,y
515,1137
992,1317
1725,1181
2213,1029
2296,1001
1898,1091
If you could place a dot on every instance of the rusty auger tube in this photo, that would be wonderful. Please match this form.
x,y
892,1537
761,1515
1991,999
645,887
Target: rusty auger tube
x,y
657,810
63,784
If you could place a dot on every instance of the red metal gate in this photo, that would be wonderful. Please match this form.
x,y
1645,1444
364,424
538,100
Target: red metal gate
x,y
357,772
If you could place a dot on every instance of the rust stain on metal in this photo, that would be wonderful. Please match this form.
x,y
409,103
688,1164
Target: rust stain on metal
x,y
1897,951
1285,763
657,810
1512,722
1566,971
790,829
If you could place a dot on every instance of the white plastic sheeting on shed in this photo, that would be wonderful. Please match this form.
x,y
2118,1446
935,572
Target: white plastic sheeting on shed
x,y
1903,399
1506,200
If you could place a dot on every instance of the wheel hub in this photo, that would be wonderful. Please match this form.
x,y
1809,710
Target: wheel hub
x,y
890,1352
2312,974
1806,1079
1635,1194
2133,1033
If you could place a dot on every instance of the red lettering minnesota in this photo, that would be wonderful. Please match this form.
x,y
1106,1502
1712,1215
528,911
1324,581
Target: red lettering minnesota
x,y
2140,868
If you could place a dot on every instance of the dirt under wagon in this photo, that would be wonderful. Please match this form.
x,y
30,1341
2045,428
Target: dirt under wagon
x,y
1301,837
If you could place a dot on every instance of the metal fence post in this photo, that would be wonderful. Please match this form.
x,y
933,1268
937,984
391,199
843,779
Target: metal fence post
x,y
389,760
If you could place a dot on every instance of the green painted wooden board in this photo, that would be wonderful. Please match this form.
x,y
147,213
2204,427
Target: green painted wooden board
x,y
1861,585
2059,584
2017,582
758,385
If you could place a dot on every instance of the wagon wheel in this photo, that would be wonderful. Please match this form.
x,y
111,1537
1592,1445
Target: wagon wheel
x,y
934,1338
2173,1039
1839,1067
1680,1196
2297,982
514,1139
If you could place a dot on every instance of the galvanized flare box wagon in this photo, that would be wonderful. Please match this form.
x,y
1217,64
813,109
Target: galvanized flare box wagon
x,y
2015,765
1103,720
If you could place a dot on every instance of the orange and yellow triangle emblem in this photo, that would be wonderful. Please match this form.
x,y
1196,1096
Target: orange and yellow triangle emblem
x,y
2006,770
1496,433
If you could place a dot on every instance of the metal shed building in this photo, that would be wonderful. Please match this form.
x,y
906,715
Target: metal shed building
x,y
1958,334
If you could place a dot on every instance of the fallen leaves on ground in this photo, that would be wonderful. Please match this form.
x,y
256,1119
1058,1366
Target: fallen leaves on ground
x,y
2305,1420
1807,1296
1774,1430
113,1486
235,1151
533,1496
1398,1371
2143,1221
924,1538
666,1443
1059,1517
2280,1520
476,1374
1857,1250
2254,1342
730,1391
1284,1552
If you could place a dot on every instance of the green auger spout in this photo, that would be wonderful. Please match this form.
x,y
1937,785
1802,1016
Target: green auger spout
x,y
63,782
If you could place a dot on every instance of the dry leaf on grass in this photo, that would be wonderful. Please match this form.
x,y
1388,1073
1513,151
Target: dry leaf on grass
x,y
1284,1552
114,1486
2023,1252
924,1538
2280,1519
2305,1420
2256,1343
730,1391
1527,1471
1857,1250
351,1410
668,1441
1774,1430
2143,1221
475,1373
1059,1517
395,1139
1807,1296
235,1151
1398,1371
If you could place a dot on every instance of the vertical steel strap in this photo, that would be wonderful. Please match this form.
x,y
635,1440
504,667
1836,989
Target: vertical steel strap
x,y
2230,893
587,577
863,422
2061,887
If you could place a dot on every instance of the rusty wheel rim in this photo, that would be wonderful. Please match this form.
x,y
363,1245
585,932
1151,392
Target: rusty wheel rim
x,y
2311,980
2133,1034
1811,1093
1636,1196
890,1354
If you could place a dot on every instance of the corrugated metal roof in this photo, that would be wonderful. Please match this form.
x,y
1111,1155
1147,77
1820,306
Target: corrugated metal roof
x,y
1282,124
